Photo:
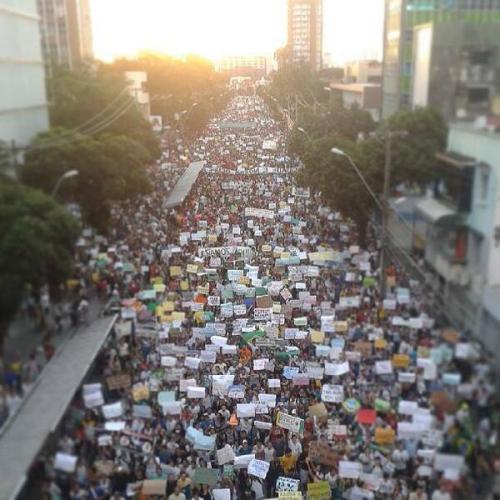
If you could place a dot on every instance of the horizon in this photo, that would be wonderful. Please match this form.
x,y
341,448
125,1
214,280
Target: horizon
x,y
216,32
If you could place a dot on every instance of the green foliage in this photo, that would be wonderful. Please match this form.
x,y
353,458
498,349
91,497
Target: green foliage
x,y
334,177
175,85
37,238
296,80
111,169
413,157
5,157
98,96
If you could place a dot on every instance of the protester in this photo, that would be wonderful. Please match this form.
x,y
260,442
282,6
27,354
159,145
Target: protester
x,y
253,353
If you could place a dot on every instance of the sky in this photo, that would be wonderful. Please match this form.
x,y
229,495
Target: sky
x,y
215,28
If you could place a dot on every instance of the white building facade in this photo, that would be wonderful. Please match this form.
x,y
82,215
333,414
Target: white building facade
x,y
23,101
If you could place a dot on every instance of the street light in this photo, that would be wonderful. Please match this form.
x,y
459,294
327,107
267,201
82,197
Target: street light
x,y
339,152
67,175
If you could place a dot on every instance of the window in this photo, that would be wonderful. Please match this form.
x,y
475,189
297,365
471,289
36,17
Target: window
x,y
484,177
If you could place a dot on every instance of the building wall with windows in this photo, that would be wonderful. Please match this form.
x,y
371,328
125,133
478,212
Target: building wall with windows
x,y
66,32
252,66
305,32
401,17
23,102
456,68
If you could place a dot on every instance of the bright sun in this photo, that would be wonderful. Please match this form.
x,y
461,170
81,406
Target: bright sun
x,y
211,28
214,28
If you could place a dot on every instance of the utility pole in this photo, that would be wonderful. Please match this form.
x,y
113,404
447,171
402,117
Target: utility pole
x,y
385,214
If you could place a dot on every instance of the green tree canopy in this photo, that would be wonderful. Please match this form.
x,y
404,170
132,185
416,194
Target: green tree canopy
x,y
111,169
37,237
96,101
176,84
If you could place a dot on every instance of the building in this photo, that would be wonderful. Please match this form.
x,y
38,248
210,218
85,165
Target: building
x,y
462,231
456,68
401,17
364,95
23,102
66,32
137,88
305,32
368,71
254,67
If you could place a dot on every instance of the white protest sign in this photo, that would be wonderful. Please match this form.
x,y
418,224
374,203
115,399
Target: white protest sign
x,y
65,462
245,410
332,393
260,364
287,484
383,367
196,392
185,383
225,455
221,494
113,410
258,468
273,383
349,470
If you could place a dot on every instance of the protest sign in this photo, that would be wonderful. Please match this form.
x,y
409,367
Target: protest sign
x,y
225,455
258,468
322,453
332,393
120,381
294,424
383,367
349,470
245,410
221,494
384,436
287,484
202,475
366,416
320,490
65,462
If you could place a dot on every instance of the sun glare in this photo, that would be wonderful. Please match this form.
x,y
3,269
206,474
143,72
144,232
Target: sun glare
x,y
215,28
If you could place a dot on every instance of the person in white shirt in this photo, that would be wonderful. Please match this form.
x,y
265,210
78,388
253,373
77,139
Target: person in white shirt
x,y
295,445
441,494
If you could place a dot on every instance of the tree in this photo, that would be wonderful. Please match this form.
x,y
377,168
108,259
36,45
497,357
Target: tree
x,y
413,157
111,169
333,176
5,157
175,85
96,101
37,238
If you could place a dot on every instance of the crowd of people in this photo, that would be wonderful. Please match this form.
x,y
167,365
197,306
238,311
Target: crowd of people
x,y
253,356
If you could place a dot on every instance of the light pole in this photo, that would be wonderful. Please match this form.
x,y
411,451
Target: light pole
x,y
384,205
67,175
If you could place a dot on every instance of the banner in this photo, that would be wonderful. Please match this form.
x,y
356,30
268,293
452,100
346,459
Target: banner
x,y
226,252
259,212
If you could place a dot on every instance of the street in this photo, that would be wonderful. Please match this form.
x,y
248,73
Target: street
x,y
254,354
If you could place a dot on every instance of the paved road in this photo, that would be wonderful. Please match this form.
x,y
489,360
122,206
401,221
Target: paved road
x,y
45,406
184,184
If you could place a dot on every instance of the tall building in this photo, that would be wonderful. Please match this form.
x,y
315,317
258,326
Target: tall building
x,y
252,66
401,17
66,32
305,32
23,102
456,69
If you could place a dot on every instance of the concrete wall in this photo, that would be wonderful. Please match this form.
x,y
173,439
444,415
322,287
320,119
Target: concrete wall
x,y
23,102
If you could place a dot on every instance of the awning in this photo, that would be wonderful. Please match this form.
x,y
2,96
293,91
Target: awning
x,y
434,211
